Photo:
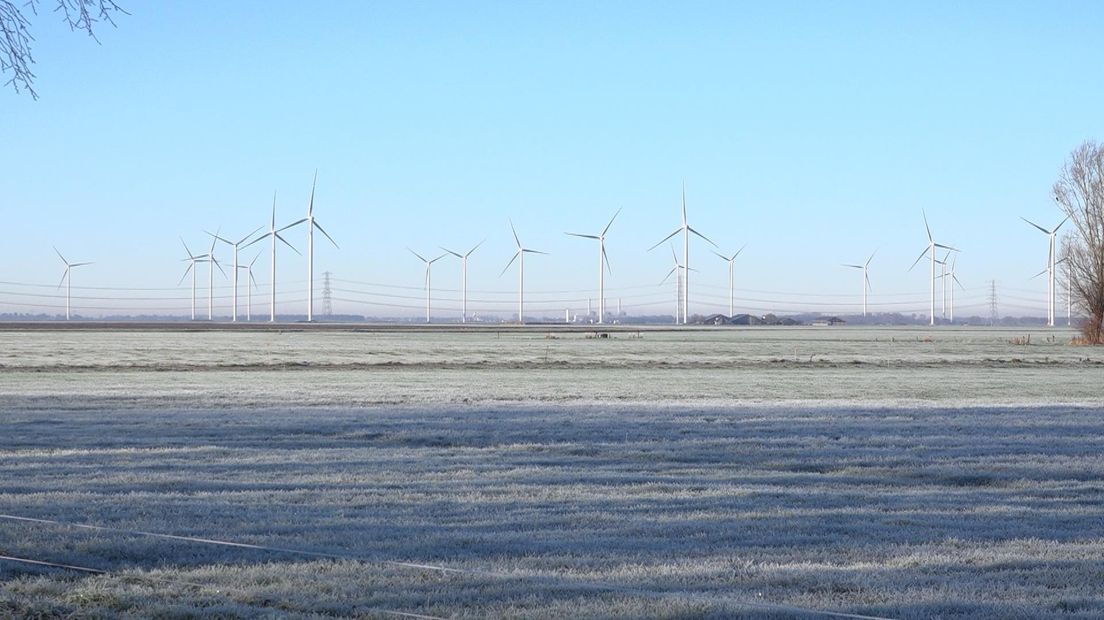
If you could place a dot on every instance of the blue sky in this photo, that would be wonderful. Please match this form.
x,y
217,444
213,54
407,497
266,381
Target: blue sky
x,y
813,132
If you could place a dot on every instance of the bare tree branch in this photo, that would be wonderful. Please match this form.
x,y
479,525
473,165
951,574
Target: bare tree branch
x,y
15,37
1079,192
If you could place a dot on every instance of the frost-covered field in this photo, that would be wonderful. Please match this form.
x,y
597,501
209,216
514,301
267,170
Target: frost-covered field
x,y
680,474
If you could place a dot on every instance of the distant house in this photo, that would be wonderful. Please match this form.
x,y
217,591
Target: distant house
x,y
716,319
829,321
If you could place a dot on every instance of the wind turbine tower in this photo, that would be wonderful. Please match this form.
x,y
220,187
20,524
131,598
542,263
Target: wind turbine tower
x,y
932,245
311,225
67,279
865,267
428,282
192,261
236,245
731,260
603,265
273,234
464,278
519,256
686,230
1051,235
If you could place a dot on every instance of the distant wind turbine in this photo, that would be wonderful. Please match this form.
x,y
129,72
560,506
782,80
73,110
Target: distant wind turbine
x,y
67,279
950,279
677,272
685,229
311,225
212,263
250,284
731,260
932,245
464,277
866,277
428,281
603,265
520,257
273,234
192,260
1051,234
236,245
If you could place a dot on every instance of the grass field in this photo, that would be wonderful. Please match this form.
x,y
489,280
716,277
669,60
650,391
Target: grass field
x,y
892,473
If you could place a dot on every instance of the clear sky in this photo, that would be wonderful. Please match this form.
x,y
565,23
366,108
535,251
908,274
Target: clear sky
x,y
814,132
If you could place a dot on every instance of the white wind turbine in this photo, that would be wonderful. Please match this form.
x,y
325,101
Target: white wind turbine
x,y
311,225
464,277
931,250
236,245
213,262
1051,234
250,284
67,279
520,257
428,281
192,260
273,234
677,272
953,282
603,264
685,229
943,283
731,260
866,277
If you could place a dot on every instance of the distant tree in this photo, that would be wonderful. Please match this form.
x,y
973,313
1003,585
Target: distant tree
x,y
1080,194
16,39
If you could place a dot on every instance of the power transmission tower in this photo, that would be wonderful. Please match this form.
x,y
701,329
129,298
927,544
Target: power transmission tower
x,y
327,301
994,316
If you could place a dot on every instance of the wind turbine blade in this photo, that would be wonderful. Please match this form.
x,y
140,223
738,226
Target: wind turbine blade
x,y
668,276
1047,270
533,251
919,258
243,239
252,279
516,240
854,266
437,259
323,231
1043,230
583,236
219,265
956,281
61,257
456,254
186,272
605,259
946,247
674,256
215,237
867,278
273,211
65,273
516,254
287,244
418,255
80,264
867,264
684,224
190,255
926,227
721,256
1059,225
295,223
475,248
702,236
254,260
738,251
310,206
664,239
604,230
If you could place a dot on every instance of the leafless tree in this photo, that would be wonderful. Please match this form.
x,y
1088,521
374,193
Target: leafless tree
x,y
16,39
1080,194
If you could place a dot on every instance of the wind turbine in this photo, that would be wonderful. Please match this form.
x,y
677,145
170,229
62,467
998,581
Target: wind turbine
x,y
685,229
603,264
311,225
210,256
236,245
67,279
1051,234
731,276
943,282
428,271
950,279
273,234
520,257
677,272
931,249
192,261
249,279
866,277
464,277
